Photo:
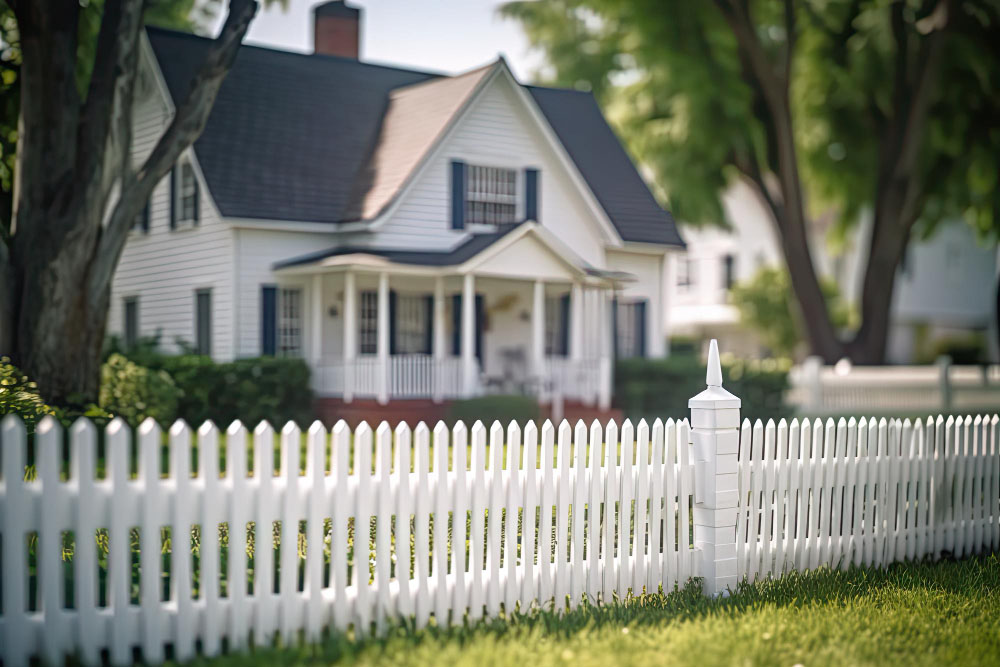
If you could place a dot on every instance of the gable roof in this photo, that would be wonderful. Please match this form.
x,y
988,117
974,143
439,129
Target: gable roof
x,y
318,138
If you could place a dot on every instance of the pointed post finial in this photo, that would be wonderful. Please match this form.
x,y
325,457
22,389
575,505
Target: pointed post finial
x,y
713,377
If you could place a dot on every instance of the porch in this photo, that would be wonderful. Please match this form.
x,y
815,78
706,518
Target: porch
x,y
514,318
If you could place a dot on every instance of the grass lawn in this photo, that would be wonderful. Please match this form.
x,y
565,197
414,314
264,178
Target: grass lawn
x,y
931,614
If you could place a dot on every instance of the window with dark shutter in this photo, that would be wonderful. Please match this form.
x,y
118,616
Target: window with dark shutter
x,y
203,322
630,329
184,200
141,223
130,316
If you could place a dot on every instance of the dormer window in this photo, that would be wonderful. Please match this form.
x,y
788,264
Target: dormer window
x,y
184,196
490,195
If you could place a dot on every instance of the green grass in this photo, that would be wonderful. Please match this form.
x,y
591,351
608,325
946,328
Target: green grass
x,y
915,613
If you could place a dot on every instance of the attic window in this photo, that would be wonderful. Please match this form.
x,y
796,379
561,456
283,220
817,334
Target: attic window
x,y
490,195
188,193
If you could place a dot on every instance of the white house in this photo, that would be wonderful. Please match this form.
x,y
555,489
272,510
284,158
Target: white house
x,y
945,287
414,237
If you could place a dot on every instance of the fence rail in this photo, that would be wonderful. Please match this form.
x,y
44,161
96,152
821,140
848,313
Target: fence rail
x,y
546,513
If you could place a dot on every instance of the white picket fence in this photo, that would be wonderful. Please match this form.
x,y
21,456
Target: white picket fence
x,y
601,512
454,525
868,492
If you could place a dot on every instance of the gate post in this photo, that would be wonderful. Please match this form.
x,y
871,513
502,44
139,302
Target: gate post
x,y
715,422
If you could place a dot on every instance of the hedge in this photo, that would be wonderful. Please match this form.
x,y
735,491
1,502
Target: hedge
x,y
660,388
251,390
487,409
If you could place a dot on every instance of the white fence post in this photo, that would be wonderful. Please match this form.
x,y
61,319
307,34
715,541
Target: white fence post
x,y
715,420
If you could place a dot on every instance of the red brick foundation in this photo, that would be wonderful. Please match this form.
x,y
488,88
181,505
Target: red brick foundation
x,y
413,411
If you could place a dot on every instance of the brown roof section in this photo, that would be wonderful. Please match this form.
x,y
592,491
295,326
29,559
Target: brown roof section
x,y
414,120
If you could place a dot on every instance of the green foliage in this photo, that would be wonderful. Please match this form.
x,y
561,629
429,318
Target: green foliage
x,y
19,396
767,307
487,409
670,75
967,349
660,388
250,390
134,392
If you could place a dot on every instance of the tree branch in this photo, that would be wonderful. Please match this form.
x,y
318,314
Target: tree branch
x,y
187,125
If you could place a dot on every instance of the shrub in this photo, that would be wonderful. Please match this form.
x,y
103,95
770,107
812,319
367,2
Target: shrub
x,y
660,388
250,390
134,392
19,396
487,409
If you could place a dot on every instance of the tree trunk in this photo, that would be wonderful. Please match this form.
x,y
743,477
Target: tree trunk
x,y
67,233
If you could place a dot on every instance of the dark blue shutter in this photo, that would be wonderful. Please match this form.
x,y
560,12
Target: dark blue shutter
x,y
429,329
564,325
173,198
531,194
268,319
392,322
480,322
197,196
145,218
614,327
456,324
457,194
640,326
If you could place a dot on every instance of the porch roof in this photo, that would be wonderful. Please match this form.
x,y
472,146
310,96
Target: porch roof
x,y
478,253
457,255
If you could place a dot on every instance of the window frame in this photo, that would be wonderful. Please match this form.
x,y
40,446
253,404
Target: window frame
x,y
203,347
627,331
130,339
367,322
488,200
553,334
415,339
289,322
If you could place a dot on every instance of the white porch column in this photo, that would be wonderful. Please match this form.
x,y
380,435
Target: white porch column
x,y
605,340
382,344
316,336
468,335
439,340
576,322
350,315
538,330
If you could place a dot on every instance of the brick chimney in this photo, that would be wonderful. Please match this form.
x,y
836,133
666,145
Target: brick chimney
x,y
337,29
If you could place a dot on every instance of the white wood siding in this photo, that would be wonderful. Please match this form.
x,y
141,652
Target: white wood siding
x,y
164,268
495,131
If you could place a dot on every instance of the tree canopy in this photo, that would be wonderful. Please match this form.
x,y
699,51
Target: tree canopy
x,y
881,108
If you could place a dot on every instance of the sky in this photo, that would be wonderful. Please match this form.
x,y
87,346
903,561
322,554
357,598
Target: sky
x,y
441,35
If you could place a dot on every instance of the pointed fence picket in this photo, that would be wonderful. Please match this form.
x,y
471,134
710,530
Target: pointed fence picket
x,y
443,525
866,492
539,515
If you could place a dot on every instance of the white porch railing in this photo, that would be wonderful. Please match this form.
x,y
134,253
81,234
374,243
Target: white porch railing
x,y
421,376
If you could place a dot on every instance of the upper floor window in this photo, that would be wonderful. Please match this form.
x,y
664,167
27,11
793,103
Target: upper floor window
x,y
184,196
490,195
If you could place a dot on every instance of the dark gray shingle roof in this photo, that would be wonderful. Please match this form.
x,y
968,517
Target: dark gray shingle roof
x,y
291,134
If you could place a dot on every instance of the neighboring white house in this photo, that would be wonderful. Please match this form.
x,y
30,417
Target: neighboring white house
x,y
946,286
411,235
